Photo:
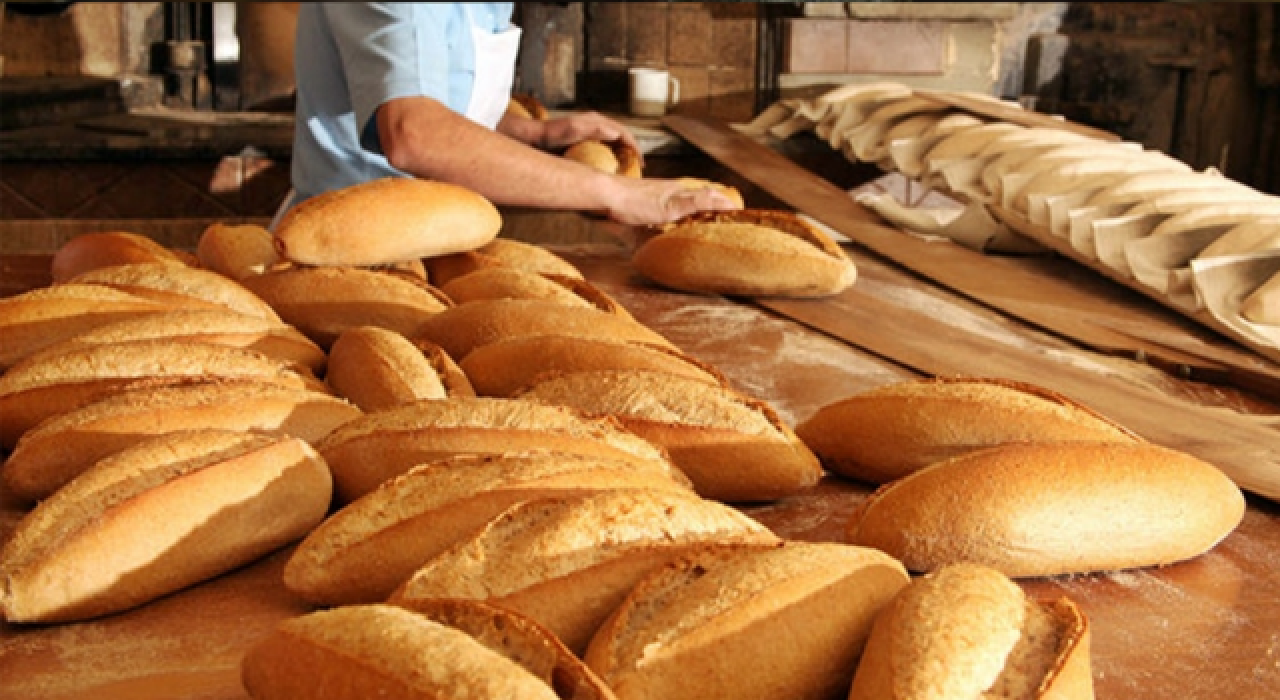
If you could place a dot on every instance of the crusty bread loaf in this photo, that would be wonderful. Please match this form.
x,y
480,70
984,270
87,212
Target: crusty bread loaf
x,y
732,447
466,327
237,251
781,621
92,251
382,651
213,326
966,631
889,432
1042,509
41,317
385,221
376,368
695,183
569,562
367,549
158,517
384,444
507,366
322,302
750,252
614,158
47,386
522,640
500,251
164,281
502,282
60,448
528,106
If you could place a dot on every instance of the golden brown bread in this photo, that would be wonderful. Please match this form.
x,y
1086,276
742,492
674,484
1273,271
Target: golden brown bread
x,y
569,562
466,327
732,447
522,640
237,251
1043,509
43,387
966,631
384,444
376,368
367,549
158,517
751,252
386,221
165,281
614,158
383,651
729,191
528,106
92,251
60,448
213,326
500,251
34,320
322,302
507,366
503,282
889,432
769,621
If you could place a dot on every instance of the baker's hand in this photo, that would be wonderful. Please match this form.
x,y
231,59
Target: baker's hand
x,y
648,202
566,131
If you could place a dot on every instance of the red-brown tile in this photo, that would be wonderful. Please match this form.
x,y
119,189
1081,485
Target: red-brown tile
x,y
814,46
688,30
647,33
897,48
734,44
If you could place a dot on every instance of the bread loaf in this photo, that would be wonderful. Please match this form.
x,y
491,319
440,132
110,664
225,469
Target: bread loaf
x,y
92,251
966,631
367,549
34,320
364,651
507,366
782,621
466,327
158,517
732,447
60,448
569,562
1042,509
528,106
322,302
164,281
212,326
697,183
614,158
501,282
377,368
380,445
47,386
749,252
386,221
499,252
889,432
237,251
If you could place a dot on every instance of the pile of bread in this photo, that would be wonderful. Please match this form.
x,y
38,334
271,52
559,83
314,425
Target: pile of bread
x,y
500,484
1133,213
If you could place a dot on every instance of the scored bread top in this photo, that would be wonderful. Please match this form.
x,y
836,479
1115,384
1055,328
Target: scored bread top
x,y
759,227
187,281
658,397
547,539
117,479
489,413
418,656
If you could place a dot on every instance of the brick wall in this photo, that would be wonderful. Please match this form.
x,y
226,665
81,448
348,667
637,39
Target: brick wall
x,y
709,47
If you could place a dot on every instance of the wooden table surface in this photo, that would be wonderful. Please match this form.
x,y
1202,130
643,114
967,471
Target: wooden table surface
x,y
1203,629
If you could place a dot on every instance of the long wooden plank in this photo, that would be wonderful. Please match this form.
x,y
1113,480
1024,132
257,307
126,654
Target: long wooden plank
x,y
1012,114
1246,451
1053,299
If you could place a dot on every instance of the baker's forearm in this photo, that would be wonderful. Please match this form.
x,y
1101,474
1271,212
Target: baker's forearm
x,y
423,137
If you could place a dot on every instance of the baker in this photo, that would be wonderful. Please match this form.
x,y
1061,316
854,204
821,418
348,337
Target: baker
x,y
421,90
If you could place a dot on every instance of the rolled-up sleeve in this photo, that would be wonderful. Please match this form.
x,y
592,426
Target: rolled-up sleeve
x,y
388,51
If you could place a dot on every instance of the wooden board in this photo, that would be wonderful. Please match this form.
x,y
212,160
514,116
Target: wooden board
x,y
1050,293
1014,115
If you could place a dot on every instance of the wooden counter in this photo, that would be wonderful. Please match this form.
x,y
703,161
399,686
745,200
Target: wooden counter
x,y
1203,629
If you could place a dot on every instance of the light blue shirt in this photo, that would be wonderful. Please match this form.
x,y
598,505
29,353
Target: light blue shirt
x,y
350,58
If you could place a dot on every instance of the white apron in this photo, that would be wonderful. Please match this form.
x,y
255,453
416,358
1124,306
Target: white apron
x,y
495,72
